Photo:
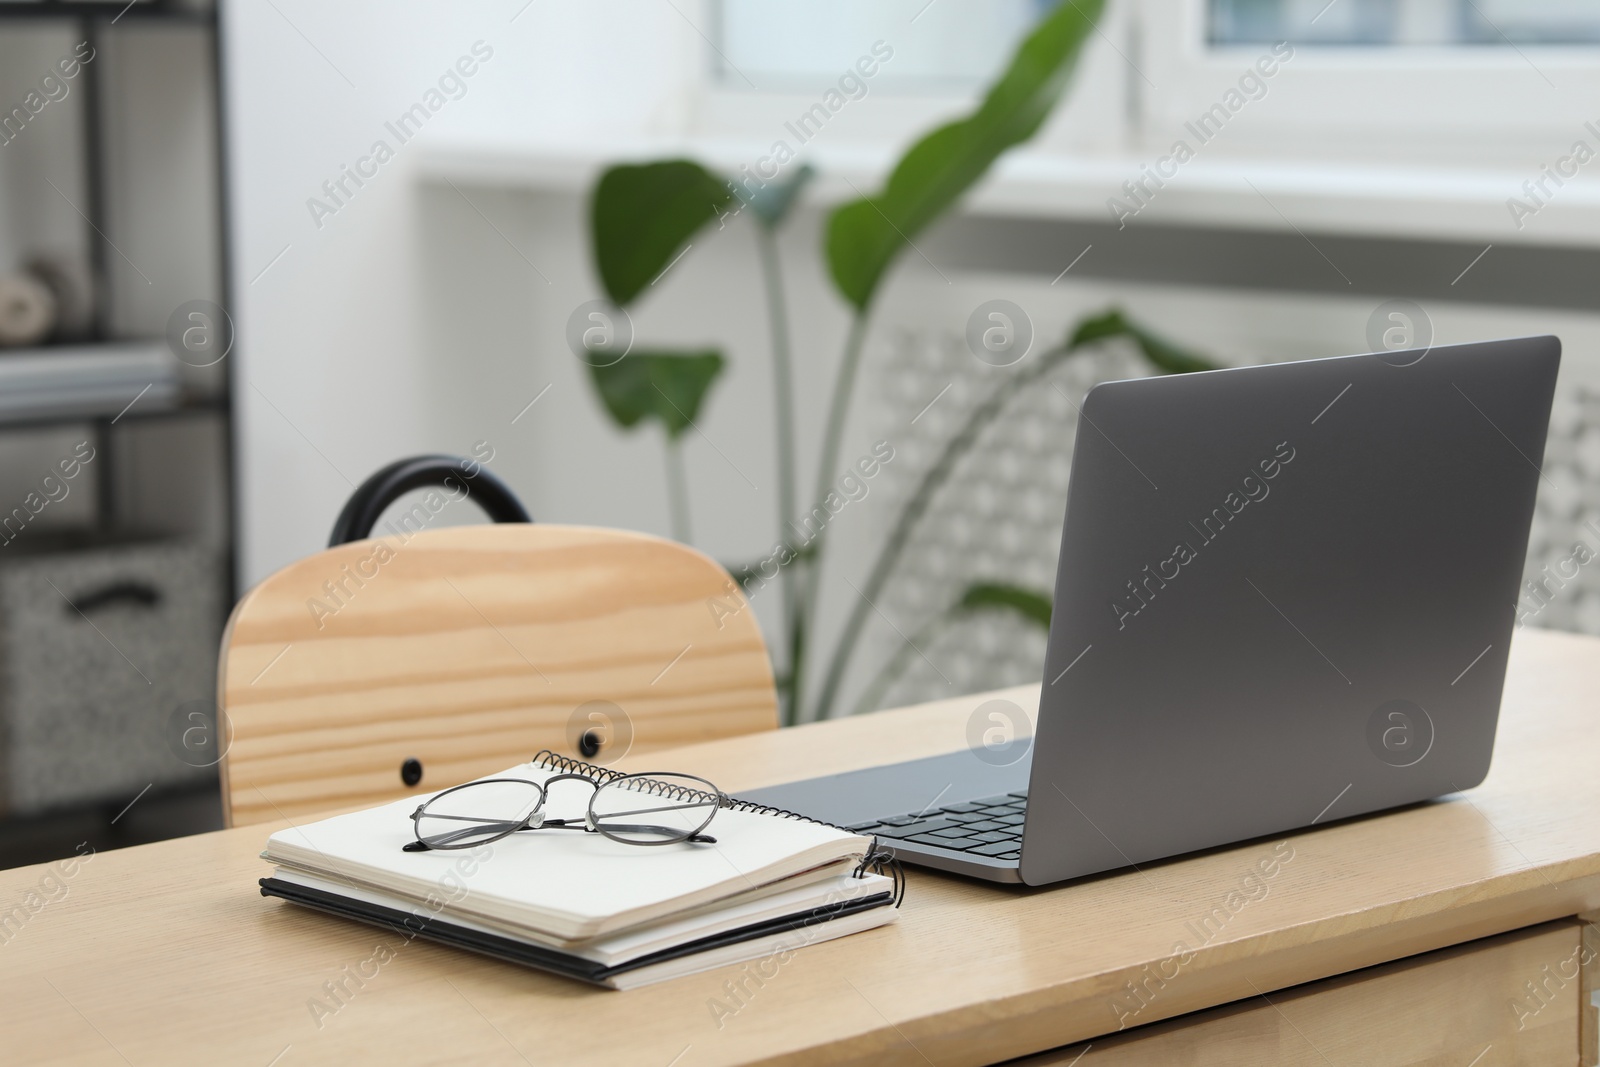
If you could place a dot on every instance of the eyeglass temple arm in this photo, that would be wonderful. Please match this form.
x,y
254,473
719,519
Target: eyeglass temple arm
x,y
467,831
564,824
623,828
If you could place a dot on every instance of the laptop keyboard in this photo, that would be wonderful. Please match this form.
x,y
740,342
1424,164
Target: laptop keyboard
x,y
988,827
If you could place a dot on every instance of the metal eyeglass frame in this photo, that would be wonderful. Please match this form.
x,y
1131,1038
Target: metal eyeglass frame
x,y
592,824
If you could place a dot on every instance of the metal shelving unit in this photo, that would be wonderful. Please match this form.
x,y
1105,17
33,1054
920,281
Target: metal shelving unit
x,y
35,837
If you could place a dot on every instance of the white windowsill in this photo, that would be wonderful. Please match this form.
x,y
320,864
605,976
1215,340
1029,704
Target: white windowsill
x,y
1373,200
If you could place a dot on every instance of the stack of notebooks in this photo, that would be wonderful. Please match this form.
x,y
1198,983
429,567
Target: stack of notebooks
x,y
95,379
581,905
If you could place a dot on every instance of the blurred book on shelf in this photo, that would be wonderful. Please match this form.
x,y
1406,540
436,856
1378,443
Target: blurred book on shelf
x,y
86,380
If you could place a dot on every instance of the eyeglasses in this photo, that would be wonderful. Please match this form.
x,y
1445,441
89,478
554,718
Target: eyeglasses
x,y
632,809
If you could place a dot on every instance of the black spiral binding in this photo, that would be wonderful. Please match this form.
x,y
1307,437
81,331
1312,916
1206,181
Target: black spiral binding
x,y
554,761
878,859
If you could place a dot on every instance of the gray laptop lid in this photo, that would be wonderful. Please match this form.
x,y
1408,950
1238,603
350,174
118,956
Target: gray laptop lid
x,y
1285,595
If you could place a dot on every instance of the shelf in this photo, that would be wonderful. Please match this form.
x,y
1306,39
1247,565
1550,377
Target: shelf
x,y
98,381
141,10
166,812
1357,198
185,406
175,479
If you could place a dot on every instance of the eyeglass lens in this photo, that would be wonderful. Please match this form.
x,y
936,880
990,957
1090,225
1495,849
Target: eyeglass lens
x,y
477,813
654,809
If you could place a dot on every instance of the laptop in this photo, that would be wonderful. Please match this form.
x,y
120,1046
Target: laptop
x,y
1285,596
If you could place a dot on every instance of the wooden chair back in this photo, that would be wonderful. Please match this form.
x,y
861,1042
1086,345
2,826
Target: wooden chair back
x,y
468,649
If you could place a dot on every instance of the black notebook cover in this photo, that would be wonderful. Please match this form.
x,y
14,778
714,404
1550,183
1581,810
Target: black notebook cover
x,y
409,925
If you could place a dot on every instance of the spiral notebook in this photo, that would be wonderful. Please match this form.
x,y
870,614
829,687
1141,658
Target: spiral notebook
x,y
586,906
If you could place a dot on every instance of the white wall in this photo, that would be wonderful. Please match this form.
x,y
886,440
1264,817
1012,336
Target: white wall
x,y
336,371
425,314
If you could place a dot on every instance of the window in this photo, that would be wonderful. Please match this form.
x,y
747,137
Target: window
x,y
769,61
1486,84
803,45
1404,22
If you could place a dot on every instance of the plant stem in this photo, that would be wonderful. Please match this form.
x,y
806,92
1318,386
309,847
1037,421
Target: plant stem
x,y
783,402
833,431
677,491
839,405
916,506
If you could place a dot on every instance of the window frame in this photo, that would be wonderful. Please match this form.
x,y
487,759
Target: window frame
x,y
1465,104
725,109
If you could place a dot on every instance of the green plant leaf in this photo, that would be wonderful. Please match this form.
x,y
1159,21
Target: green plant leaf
x,y
666,386
1028,603
773,201
743,573
641,215
864,236
1167,357
747,573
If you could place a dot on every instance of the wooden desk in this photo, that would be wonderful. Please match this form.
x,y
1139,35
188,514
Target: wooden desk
x,y
165,954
